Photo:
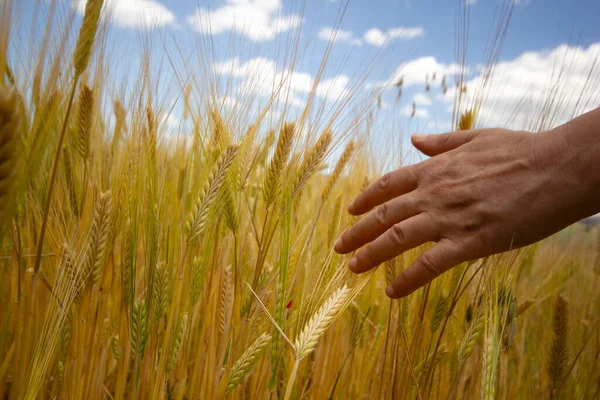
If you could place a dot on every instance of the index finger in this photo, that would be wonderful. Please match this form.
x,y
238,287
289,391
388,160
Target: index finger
x,y
389,186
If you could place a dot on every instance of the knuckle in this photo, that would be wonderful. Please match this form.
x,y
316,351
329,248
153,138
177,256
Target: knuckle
x,y
397,234
384,181
429,264
381,213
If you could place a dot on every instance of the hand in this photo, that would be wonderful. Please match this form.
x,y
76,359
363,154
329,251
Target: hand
x,y
482,192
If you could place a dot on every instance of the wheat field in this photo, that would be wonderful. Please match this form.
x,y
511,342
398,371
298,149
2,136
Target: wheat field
x,y
141,263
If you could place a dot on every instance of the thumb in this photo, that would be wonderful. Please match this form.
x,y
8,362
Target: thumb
x,y
433,145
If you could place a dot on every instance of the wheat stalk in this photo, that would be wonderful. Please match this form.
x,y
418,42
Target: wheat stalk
x,y
127,268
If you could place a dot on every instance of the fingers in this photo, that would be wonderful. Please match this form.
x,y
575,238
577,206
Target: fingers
x,y
392,184
376,223
433,145
400,237
435,261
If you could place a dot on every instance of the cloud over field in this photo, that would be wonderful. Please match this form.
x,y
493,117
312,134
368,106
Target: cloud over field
x,y
135,13
261,76
562,82
258,20
374,36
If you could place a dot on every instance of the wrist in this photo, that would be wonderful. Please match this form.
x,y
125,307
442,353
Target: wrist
x,y
570,155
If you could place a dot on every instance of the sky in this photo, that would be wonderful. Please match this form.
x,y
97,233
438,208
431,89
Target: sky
x,y
375,43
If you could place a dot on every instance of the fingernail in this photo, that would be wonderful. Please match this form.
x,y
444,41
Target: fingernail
x,y
337,245
351,208
353,263
390,291
418,137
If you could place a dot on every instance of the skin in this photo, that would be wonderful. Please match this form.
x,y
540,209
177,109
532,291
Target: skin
x,y
482,192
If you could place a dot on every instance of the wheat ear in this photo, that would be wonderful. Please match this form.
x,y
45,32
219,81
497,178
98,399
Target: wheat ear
x,y
230,212
307,340
467,121
559,351
138,330
226,300
99,236
84,121
178,343
87,34
471,338
9,141
115,347
160,290
244,364
199,214
338,170
439,312
282,151
312,160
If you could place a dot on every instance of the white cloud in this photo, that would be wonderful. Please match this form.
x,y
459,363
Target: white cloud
x,y
135,13
415,72
421,99
338,35
471,2
558,83
379,38
257,19
334,88
260,76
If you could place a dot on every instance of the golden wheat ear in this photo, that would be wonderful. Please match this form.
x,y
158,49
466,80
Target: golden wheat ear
x,y
312,160
87,34
207,196
272,180
467,121
99,237
84,121
9,142
244,364
338,170
559,351
320,321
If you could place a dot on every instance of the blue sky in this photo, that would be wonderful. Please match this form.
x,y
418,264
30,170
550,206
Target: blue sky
x,y
412,39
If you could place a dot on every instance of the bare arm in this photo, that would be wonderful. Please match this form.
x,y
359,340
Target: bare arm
x,y
482,192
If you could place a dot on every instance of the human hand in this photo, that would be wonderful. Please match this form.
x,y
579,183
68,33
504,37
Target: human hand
x,y
482,192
